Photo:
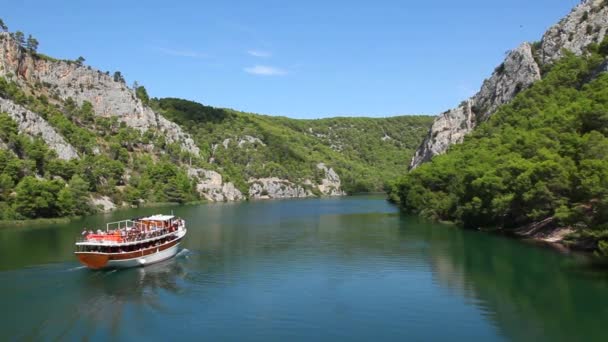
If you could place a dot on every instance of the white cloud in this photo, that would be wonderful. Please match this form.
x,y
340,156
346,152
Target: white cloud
x,y
265,70
183,53
259,53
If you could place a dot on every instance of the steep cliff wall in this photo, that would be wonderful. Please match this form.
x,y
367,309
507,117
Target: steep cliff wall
x,y
67,79
586,23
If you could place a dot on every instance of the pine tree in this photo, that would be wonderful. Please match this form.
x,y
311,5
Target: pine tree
x,y
20,38
80,61
142,94
3,26
118,77
32,44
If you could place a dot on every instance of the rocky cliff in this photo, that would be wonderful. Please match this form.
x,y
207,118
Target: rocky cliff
x,y
586,23
32,124
273,187
211,186
69,79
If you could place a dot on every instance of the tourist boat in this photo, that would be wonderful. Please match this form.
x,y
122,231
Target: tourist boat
x,y
131,243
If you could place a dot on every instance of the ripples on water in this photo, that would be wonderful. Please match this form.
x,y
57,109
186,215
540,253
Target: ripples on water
x,y
306,270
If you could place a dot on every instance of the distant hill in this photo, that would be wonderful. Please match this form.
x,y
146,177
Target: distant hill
x,y
364,152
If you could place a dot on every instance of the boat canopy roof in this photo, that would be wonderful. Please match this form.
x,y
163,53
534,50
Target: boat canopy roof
x,y
157,218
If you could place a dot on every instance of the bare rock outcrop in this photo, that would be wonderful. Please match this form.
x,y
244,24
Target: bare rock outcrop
x,y
68,79
34,125
587,23
248,139
103,203
517,72
273,187
330,184
211,186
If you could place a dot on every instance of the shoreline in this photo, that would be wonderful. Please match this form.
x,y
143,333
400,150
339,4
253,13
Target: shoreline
x,y
547,234
58,220
68,219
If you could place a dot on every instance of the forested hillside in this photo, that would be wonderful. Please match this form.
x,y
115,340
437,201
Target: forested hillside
x,y
542,158
365,152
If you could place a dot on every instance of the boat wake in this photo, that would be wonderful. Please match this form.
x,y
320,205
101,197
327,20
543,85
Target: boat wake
x,y
110,272
75,268
184,253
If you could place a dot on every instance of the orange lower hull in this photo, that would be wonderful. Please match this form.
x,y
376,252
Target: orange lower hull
x,y
94,261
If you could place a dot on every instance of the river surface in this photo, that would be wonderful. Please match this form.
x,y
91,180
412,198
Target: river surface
x,y
318,269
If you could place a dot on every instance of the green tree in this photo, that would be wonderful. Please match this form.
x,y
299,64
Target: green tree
x,y
20,38
3,26
132,195
31,44
8,128
6,186
37,198
79,189
65,202
142,94
118,77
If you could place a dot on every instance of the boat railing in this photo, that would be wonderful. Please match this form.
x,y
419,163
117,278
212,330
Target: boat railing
x,y
126,234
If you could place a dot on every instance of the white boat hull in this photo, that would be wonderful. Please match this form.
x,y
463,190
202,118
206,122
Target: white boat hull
x,y
145,260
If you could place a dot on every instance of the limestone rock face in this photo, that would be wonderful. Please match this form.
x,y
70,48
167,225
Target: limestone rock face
x,y
447,129
212,187
248,139
331,184
265,188
81,83
587,23
104,203
273,187
34,125
516,73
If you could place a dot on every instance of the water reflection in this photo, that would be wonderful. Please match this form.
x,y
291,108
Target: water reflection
x,y
137,285
530,293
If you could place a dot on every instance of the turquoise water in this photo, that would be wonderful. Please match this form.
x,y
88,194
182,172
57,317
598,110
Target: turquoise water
x,y
318,269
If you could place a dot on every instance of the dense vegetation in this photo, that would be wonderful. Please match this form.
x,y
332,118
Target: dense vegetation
x,y
365,152
542,157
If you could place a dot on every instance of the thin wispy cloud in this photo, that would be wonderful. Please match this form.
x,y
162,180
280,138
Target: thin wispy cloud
x,y
183,53
265,70
259,53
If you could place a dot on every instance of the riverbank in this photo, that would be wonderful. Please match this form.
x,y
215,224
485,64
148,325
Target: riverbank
x,y
548,231
68,219
63,220
37,221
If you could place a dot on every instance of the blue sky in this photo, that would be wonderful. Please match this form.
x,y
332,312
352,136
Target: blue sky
x,y
303,59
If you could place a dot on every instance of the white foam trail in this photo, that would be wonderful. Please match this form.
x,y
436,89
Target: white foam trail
x,y
183,252
110,272
76,268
